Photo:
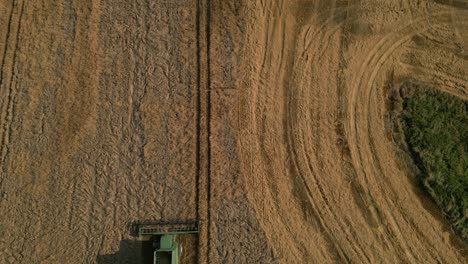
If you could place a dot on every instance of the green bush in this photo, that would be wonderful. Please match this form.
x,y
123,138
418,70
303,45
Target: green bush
x,y
436,129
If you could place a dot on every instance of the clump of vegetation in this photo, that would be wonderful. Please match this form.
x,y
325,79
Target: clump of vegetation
x,y
435,125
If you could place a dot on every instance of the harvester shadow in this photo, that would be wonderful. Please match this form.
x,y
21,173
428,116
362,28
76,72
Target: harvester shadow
x,y
462,4
130,252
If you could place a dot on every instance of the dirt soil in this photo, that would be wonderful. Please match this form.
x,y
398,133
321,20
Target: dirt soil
x,y
266,120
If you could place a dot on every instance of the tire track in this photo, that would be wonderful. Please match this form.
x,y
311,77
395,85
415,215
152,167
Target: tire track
x,y
444,81
305,162
7,40
299,124
280,29
382,52
201,155
311,170
291,138
373,146
368,66
11,94
208,33
388,45
273,28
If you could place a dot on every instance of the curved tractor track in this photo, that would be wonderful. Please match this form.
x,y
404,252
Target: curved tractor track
x,y
326,181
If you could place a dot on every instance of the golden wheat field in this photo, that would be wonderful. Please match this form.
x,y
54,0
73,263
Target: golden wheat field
x,y
268,121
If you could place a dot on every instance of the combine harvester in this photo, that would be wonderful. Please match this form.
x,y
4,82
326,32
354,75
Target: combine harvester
x,y
167,249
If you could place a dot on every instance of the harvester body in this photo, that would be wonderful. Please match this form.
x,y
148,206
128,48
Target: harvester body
x,y
167,249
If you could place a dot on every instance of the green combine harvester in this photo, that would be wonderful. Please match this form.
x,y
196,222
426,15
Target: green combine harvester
x,y
167,250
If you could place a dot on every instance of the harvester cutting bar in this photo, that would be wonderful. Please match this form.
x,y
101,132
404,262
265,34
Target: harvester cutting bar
x,y
168,228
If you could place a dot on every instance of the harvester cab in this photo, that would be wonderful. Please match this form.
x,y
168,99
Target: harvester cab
x,y
167,249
